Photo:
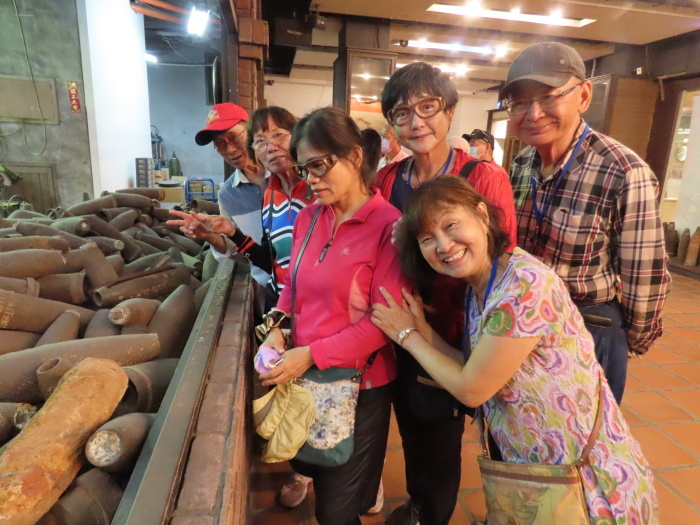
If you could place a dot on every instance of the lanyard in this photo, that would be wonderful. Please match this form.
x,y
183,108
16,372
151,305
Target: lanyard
x,y
443,169
492,278
539,214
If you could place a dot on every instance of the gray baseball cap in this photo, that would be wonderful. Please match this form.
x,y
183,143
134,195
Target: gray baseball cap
x,y
550,63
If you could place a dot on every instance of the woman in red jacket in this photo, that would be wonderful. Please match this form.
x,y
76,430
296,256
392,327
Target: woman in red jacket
x,y
348,257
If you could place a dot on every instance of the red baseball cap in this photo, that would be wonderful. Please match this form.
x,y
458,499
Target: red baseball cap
x,y
220,118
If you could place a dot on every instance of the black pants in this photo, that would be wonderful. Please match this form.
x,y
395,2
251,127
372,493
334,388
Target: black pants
x,y
346,492
432,449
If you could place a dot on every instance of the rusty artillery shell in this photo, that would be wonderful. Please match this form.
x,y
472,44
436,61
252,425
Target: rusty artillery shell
x,y
63,287
39,464
16,340
146,229
75,225
134,311
134,329
140,202
189,246
150,285
200,294
176,254
34,314
117,262
148,249
107,245
203,206
20,383
92,499
173,321
125,220
148,262
209,266
110,213
162,214
115,446
13,417
145,219
161,244
162,229
101,326
27,286
8,232
148,383
151,193
29,228
34,242
26,214
30,263
92,206
98,269
51,371
130,252
66,327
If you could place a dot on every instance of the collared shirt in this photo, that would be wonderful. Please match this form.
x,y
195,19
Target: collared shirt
x,y
601,232
396,158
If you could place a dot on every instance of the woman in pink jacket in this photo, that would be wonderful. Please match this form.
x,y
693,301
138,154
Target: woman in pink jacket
x,y
348,256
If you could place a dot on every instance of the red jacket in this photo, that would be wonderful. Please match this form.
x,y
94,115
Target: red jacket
x,y
334,296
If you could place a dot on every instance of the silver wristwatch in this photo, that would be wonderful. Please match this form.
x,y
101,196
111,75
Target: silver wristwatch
x,y
403,334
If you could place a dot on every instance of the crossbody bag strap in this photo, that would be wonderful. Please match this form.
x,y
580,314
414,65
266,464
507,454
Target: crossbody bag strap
x,y
594,433
296,265
270,209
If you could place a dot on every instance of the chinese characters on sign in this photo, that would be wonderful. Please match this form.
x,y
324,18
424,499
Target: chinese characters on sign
x,y
74,96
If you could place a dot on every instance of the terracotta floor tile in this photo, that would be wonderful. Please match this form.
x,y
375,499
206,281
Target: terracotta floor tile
x,y
476,503
685,481
657,378
690,351
686,433
471,433
660,355
459,517
671,322
632,384
655,407
659,450
667,337
670,309
685,319
686,334
394,440
394,475
689,371
470,478
689,399
674,510
631,417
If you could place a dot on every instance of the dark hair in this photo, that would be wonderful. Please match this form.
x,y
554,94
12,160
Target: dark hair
x,y
372,141
418,215
415,80
333,131
258,120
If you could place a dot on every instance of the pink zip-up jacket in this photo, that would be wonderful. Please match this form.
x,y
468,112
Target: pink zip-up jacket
x,y
338,281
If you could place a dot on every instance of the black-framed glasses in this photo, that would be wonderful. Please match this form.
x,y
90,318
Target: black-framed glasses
x,y
221,143
317,166
520,107
276,139
424,108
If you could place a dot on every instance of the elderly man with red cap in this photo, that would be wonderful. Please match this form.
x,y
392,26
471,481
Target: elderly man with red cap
x,y
586,206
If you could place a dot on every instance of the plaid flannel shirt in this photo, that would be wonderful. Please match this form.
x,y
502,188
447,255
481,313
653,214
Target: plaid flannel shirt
x,y
602,232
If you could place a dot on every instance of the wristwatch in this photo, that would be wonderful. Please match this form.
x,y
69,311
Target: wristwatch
x,y
403,334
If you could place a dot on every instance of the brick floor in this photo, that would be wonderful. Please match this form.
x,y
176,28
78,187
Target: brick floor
x,y
661,404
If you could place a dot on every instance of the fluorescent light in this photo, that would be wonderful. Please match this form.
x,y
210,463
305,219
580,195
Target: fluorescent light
x,y
509,15
501,51
454,47
458,69
198,21
151,58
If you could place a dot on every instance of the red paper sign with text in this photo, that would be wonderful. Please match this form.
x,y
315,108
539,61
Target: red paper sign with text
x,y
74,96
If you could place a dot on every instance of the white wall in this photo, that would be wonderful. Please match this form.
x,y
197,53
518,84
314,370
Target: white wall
x,y
472,112
116,90
298,96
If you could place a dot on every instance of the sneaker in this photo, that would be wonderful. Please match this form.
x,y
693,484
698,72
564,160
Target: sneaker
x,y
293,493
406,514
379,502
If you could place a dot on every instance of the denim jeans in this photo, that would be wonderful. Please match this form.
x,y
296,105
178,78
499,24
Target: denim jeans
x,y
610,344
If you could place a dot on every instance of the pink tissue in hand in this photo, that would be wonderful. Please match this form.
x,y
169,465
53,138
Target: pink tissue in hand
x,y
266,358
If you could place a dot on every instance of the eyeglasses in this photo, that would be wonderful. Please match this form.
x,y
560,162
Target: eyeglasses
x,y
237,141
317,167
277,139
424,108
520,107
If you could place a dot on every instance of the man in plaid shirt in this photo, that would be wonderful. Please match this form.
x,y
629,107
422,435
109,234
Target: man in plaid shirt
x,y
586,206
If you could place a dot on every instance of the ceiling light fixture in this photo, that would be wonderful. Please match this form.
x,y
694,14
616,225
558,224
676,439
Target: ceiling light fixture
x,y
454,47
198,21
150,58
509,15
458,69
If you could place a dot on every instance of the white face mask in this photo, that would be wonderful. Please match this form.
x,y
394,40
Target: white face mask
x,y
474,151
385,146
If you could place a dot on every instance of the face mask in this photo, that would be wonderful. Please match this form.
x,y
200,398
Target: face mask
x,y
385,146
474,151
